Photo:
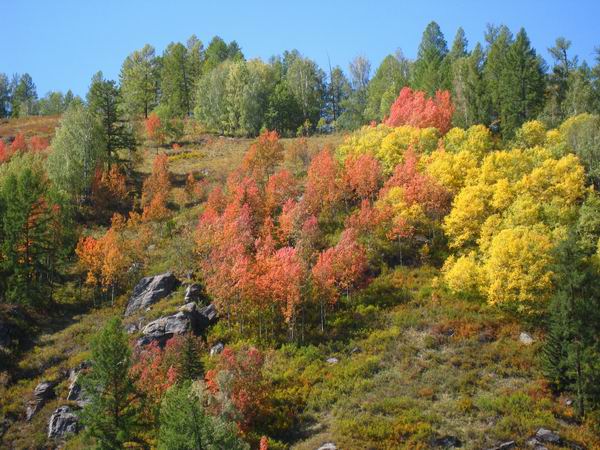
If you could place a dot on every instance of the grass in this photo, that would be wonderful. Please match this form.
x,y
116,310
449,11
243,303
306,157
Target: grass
x,y
42,126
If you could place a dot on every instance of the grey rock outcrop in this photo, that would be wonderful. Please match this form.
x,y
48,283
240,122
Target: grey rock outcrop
x,y
43,392
150,290
62,422
193,293
76,392
189,318
216,349
328,446
525,338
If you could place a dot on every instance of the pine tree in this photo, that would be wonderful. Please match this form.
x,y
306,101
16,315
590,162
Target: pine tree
x,y
112,416
190,365
140,82
430,70
185,424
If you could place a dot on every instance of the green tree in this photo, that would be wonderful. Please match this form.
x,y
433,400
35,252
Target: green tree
x,y
469,90
391,76
190,366
579,97
338,90
499,40
176,82
53,103
140,81
112,416
78,148
430,71
33,230
104,102
4,95
24,96
211,99
558,82
306,82
185,424
522,85
284,114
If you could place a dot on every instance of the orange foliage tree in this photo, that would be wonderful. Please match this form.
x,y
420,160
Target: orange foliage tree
x,y
155,190
415,109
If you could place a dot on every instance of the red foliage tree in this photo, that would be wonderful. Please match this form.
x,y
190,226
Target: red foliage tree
x,y
155,190
281,187
38,143
4,152
154,129
322,190
263,156
19,144
361,176
248,391
415,109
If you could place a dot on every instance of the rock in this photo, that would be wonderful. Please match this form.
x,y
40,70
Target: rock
x,y
131,328
61,422
525,338
328,446
505,446
150,290
216,349
355,350
43,392
332,360
189,318
447,442
193,293
569,402
547,436
537,445
76,393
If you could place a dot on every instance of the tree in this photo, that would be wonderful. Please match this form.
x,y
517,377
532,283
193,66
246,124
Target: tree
x,y
140,82
521,85
78,148
211,99
338,91
558,81
176,81
185,423
430,70
5,102
112,415
284,113
263,156
391,76
52,104
469,90
33,239
355,104
155,190
413,108
24,97
305,81
104,101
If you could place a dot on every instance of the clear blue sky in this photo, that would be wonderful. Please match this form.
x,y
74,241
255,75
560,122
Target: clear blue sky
x,y
62,43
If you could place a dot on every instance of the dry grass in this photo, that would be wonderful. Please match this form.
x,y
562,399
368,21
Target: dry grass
x,y
42,126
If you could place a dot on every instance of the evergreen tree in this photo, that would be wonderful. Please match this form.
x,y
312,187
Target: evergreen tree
x,y
176,81
190,365
558,82
4,95
499,40
104,101
32,231
140,82
24,96
185,424
338,90
284,114
430,70
112,417
521,85
469,90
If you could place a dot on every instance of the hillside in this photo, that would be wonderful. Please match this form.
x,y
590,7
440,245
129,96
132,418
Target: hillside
x,y
404,361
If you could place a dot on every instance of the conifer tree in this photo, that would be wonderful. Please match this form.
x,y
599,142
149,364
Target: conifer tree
x,y
430,70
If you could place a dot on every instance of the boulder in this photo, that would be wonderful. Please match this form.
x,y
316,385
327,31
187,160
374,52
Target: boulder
x,y
189,318
328,446
62,421
76,392
547,436
150,290
193,293
42,392
216,349
525,338
447,442
332,360
508,445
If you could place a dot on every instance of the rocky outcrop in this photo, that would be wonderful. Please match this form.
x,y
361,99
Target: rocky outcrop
x,y
543,436
76,393
189,318
525,338
150,290
43,392
216,349
193,293
447,442
508,445
328,446
63,421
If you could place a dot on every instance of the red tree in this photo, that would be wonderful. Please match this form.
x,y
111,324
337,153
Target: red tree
x,y
415,109
38,143
4,152
263,156
322,190
361,176
19,144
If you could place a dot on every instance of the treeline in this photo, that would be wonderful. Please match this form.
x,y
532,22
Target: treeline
x,y
501,82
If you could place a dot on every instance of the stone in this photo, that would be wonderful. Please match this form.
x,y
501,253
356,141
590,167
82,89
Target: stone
x,y
508,445
328,446
537,445
525,338
189,318
42,392
447,442
547,436
193,293
332,360
216,349
150,290
76,393
62,421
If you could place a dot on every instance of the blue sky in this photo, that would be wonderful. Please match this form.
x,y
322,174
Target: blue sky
x,y
62,43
